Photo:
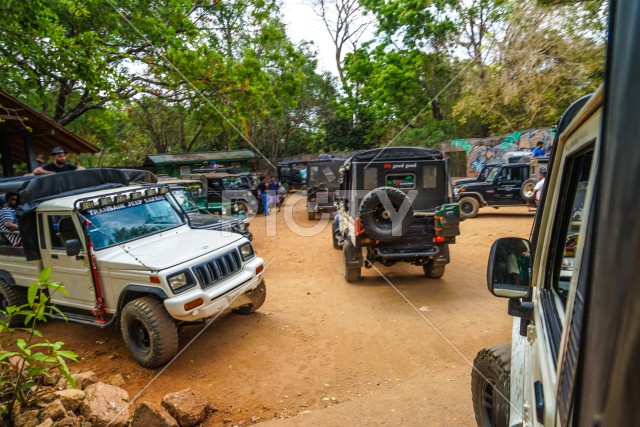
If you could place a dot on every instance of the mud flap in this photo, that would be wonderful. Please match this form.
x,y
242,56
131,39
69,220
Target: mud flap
x,y
443,256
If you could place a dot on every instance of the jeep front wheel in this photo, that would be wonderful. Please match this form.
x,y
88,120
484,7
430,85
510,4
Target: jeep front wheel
x,y
335,235
433,271
149,333
490,386
469,207
352,262
11,295
257,297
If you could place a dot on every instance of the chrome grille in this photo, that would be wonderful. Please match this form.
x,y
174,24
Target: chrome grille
x,y
213,271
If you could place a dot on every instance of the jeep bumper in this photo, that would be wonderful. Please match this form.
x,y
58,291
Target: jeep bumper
x,y
439,255
228,294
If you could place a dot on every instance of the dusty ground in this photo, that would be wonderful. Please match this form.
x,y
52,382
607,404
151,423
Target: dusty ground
x,y
324,352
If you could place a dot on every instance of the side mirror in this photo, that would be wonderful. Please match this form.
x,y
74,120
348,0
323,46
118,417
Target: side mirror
x,y
73,247
509,269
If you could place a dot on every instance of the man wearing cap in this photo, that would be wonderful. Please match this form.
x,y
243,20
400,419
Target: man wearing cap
x,y
58,164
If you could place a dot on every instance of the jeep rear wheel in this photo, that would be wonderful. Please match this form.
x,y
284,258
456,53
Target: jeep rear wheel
x,y
490,386
526,191
257,297
149,333
377,221
11,295
469,207
352,262
433,271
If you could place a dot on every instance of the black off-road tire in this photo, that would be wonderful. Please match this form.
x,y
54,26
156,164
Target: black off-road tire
x,y
12,295
375,219
335,232
149,333
490,386
433,271
257,296
351,274
469,207
526,191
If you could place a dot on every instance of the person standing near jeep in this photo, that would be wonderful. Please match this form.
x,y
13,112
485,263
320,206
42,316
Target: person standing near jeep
x,y
537,190
58,164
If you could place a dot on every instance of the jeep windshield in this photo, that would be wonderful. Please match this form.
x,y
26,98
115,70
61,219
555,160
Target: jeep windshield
x,y
323,174
112,224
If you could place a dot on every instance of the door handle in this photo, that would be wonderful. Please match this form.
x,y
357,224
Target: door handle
x,y
54,256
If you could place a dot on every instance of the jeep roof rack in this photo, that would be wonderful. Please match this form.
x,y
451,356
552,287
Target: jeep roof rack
x,y
403,153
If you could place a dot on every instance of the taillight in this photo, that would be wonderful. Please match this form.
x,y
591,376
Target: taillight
x,y
357,226
439,239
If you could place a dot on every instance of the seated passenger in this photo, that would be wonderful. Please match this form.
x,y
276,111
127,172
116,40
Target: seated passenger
x,y
8,220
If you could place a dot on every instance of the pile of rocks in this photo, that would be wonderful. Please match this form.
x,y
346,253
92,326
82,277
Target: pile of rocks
x,y
96,404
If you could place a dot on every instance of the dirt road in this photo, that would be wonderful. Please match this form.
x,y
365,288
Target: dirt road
x,y
325,352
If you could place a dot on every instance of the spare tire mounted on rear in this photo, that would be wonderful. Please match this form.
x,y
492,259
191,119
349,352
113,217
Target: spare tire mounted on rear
x,y
379,223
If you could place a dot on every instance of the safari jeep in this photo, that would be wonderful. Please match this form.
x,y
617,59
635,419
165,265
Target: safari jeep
x,y
394,206
127,256
574,290
322,186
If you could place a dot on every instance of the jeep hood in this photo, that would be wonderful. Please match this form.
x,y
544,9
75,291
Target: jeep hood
x,y
164,250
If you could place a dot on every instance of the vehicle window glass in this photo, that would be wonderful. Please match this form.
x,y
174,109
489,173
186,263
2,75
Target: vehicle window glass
x,y
403,181
492,174
313,173
429,175
370,178
130,221
58,235
570,224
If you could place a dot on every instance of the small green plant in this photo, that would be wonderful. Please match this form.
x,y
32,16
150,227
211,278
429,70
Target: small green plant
x,y
28,362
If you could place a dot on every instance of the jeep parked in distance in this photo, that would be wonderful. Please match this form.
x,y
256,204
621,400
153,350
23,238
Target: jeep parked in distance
x,y
225,188
573,289
292,174
507,184
394,206
127,257
198,194
322,186
202,218
482,176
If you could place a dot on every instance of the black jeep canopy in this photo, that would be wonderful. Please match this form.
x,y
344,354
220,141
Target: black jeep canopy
x,y
397,153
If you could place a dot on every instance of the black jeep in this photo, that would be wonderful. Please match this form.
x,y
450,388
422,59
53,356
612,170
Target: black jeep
x,y
482,176
509,184
292,174
322,186
396,204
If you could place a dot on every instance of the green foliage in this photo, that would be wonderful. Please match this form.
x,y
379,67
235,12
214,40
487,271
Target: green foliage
x,y
28,363
172,76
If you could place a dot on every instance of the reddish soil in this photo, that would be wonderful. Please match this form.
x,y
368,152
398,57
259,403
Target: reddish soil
x,y
325,352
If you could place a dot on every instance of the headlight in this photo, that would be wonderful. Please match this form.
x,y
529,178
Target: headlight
x,y
234,208
246,252
180,281
223,211
242,227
